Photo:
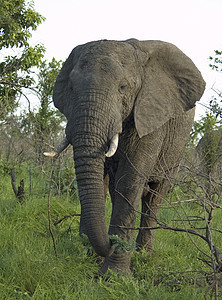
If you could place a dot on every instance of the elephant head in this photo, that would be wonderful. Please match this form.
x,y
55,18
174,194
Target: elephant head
x,y
100,86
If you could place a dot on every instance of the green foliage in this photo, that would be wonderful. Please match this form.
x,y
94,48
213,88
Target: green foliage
x,y
206,137
211,149
206,124
29,268
44,124
47,118
216,106
48,72
121,245
64,175
18,19
87,244
216,61
216,102
5,167
212,118
17,74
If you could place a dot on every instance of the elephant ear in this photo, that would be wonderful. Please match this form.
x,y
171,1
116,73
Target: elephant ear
x,y
171,85
62,89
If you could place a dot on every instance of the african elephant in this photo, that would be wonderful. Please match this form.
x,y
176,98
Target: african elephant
x,y
208,158
138,97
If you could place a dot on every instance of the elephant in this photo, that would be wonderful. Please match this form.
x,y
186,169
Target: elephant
x,y
208,158
129,107
55,153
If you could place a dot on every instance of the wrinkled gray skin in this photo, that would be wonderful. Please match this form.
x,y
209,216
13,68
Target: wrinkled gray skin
x,y
208,159
145,91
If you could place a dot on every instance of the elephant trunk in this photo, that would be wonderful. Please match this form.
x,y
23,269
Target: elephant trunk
x,y
89,175
91,134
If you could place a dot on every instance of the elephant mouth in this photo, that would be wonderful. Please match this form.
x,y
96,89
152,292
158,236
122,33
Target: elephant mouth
x,y
65,143
90,108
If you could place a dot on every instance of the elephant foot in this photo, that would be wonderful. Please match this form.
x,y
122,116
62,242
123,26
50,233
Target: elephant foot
x,y
117,262
99,260
145,242
148,248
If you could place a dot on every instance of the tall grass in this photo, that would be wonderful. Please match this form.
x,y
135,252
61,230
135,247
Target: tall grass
x,y
29,268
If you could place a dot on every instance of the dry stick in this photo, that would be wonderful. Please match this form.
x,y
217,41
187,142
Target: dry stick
x,y
191,231
210,288
49,214
18,88
213,251
178,229
163,226
210,203
19,193
30,182
66,217
196,171
216,263
215,229
50,177
59,178
13,182
188,231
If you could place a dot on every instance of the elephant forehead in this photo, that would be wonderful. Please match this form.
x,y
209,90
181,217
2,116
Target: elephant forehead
x,y
117,51
105,61
107,46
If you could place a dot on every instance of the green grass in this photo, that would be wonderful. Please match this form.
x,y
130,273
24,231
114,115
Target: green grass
x,y
29,268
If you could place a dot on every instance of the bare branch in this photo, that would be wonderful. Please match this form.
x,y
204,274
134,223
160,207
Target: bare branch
x,y
66,217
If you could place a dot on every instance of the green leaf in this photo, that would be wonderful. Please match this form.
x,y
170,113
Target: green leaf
x,y
121,245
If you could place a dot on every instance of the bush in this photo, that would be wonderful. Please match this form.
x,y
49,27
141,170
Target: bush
x,y
29,268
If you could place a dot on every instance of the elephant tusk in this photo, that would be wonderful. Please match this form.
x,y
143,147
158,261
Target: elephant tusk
x,y
50,154
62,146
113,146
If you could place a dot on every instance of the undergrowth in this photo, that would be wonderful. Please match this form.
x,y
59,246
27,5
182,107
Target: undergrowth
x,y
29,268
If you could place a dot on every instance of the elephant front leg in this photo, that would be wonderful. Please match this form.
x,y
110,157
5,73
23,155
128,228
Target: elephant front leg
x,y
126,197
150,207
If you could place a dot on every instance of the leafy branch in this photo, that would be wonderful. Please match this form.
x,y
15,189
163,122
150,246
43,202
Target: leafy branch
x,y
120,245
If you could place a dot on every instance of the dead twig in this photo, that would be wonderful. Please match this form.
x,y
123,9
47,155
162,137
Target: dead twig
x,y
191,231
65,217
19,192
49,216
210,203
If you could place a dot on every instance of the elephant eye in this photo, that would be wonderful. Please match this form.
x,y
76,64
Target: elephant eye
x,y
123,87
